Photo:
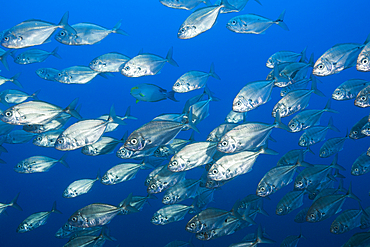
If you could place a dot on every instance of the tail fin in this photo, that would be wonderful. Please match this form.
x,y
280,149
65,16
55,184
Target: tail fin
x,y
98,176
105,234
70,109
113,117
171,95
116,29
331,126
279,123
261,239
315,90
212,72
3,58
303,55
190,123
327,107
350,194
62,160
54,209
335,165
14,79
125,204
14,203
64,24
280,21
170,59
311,61
127,114
34,95
55,54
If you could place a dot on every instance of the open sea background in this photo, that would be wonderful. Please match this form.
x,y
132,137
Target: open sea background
x,y
238,59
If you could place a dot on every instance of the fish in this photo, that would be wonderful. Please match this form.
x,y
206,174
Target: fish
x,y
113,126
332,146
125,153
361,165
105,145
338,58
301,215
257,238
121,172
39,164
36,220
151,93
13,204
77,75
256,24
84,132
315,134
201,20
291,157
347,220
33,32
55,124
349,89
301,84
155,133
308,118
200,110
49,74
3,56
296,71
99,214
36,112
194,79
80,187
90,240
146,64
231,166
290,201
362,63
163,180
181,191
292,240
47,139
13,96
184,4
173,147
295,101
248,136
86,34
355,132
235,117
230,226
191,156
34,56
362,99
358,239
284,57
253,95
170,213
204,197
237,5
216,134
17,137
327,206
138,202
109,62
68,231
13,79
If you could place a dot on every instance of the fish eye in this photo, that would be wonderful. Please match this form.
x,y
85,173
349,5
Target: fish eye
x,y
133,141
338,93
20,37
62,33
74,219
122,151
233,22
215,171
127,68
8,113
19,166
363,98
280,210
177,84
182,30
153,186
365,61
95,62
293,125
355,132
41,71
356,170
320,66
174,163
238,103
192,225
59,74
300,183
39,138
262,189
18,57
60,141
167,198
312,216
6,38
22,227
224,143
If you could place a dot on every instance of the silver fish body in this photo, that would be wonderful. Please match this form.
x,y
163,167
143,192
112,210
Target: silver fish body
x,y
208,219
109,62
332,146
183,4
12,96
361,165
349,89
283,57
363,59
220,131
76,75
170,213
315,134
346,221
49,74
363,97
290,201
355,132
38,164
79,187
120,173
105,145
34,56
181,191
163,180
47,139
17,137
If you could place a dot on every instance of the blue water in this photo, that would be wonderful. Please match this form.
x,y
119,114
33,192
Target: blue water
x,y
238,59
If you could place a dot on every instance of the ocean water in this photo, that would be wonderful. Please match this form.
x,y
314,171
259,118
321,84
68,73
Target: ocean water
x,y
238,59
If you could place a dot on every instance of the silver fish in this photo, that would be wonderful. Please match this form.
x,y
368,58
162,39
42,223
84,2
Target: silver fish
x,y
363,97
146,64
109,62
86,34
192,155
332,146
39,164
308,118
252,23
248,136
17,137
54,124
173,147
105,145
181,191
98,214
235,117
253,95
291,157
290,201
358,239
12,96
349,89
34,56
347,220
49,74
363,59
13,204
291,240
194,80
90,239
355,132
13,79
361,165
284,57
338,58
200,20
77,75
33,32
163,180
36,220
121,172
220,131
315,134
36,112
184,4
47,139
170,213
301,84
79,187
